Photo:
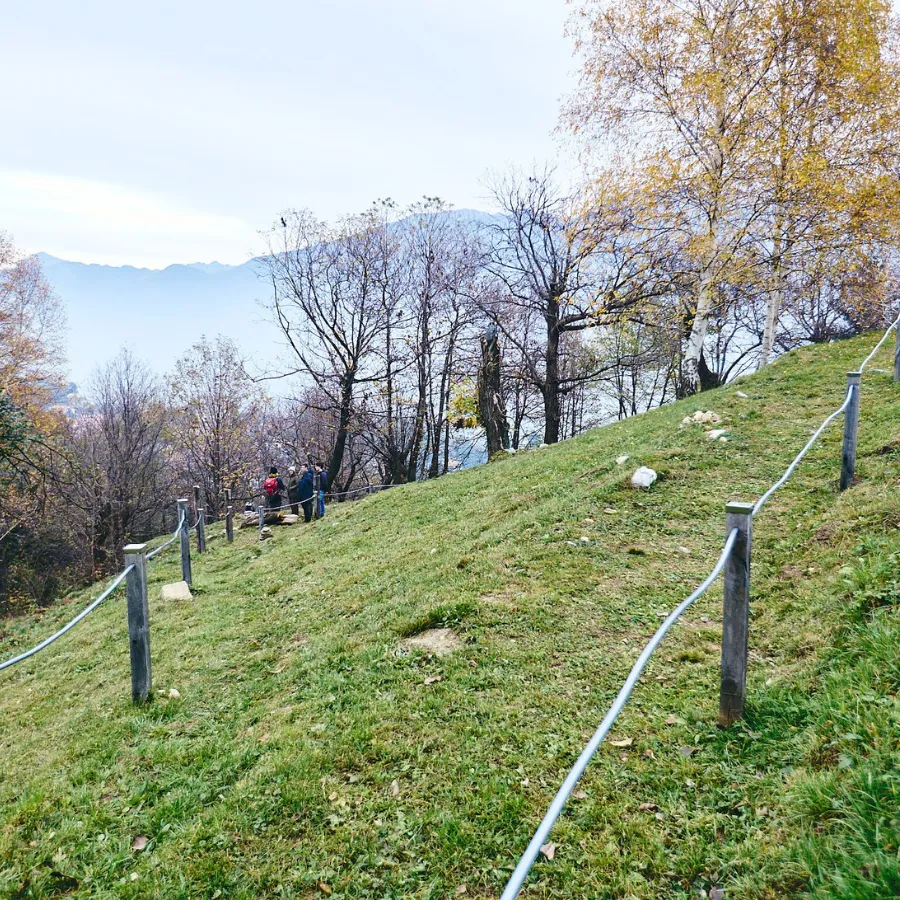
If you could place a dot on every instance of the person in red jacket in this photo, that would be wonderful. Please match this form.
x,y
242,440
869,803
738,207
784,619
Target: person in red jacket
x,y
274,489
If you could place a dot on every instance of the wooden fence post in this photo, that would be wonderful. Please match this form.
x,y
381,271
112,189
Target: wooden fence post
x,y
229,524
262,519
201,530
736,614
851,421
184,510
196,499
138,622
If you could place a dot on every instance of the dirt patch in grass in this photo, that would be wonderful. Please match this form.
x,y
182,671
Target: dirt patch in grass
x,y
439,641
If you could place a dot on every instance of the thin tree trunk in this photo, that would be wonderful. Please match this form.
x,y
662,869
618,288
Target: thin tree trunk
x,y
551,376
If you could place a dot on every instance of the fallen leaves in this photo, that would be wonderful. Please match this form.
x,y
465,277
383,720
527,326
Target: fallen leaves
x,y
648,807
140,842
625,742
687,751
433,679
548,850
325,888
395,788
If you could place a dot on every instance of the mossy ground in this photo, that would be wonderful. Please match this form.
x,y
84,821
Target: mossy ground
x,y
307,756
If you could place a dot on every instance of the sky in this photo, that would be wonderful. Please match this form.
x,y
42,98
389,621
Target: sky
x,y
158,133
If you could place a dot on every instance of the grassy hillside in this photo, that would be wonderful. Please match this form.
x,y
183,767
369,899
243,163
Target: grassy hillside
x,y
312,753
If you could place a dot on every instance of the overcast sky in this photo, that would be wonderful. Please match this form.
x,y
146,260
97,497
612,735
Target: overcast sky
x,y
172,132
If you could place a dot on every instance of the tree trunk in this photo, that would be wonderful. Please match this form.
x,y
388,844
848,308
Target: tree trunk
x,y
776,294
491,406
550,390
340,439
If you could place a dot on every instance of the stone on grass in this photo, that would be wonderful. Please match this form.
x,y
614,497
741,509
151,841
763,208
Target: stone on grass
x,y
643,477
439,641
705,418
741,394
266,533
290,519
621,460
716,433
177,591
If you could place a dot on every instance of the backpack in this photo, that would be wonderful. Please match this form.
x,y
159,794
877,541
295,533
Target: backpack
x,y
271,486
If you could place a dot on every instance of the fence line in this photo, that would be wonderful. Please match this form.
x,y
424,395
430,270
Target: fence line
x,y
69,625
735,615
797,459
92,606
171,540
735,611
574,776
186,576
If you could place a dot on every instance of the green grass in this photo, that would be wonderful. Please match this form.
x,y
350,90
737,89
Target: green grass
x,y
307,756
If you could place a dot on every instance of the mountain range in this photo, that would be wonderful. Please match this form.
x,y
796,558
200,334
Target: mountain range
x,y
159,313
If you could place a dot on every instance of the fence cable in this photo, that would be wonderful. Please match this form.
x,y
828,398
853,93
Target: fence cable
x,y
562,795
86,611
884,337
792,467
171,540
520,873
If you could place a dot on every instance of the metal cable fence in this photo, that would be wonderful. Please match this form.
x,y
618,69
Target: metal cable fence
x,y
731,623
733,561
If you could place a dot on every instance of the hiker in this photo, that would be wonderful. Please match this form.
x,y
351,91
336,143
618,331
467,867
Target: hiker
x,y
305,492
293,482
323,487
274,488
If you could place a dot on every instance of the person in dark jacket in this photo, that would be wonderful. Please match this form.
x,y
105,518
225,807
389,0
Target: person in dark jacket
x,y
293,483
305,492
323,488
274,489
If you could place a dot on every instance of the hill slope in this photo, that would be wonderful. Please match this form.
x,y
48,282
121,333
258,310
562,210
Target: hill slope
x,y
311,753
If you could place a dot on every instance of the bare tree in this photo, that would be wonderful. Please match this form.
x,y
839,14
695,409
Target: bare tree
x,y
124,483
326,302
218,413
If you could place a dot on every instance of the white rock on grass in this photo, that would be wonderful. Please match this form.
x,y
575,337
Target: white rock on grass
x,y
643,477
621,460
177,591
705,418
741,394
716,433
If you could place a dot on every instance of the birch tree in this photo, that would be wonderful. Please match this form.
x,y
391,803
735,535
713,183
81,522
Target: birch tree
x,y
678,85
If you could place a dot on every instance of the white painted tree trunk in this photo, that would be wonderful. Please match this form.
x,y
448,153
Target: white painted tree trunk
x,y
773,310
690,367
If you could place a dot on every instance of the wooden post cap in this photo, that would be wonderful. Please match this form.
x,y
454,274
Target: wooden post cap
x,y
134,548
739,507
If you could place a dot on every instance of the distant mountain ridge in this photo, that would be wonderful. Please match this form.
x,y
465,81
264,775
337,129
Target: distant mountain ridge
x,y
160,313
